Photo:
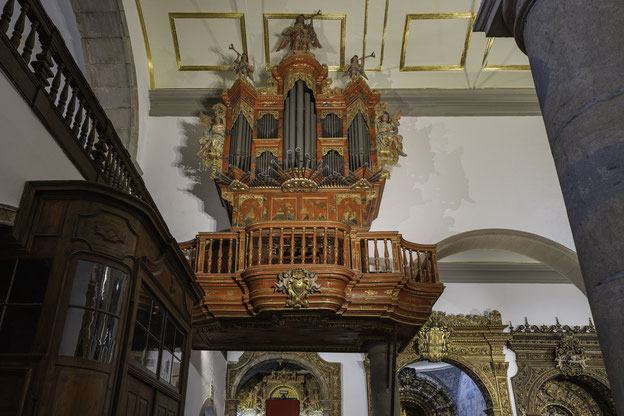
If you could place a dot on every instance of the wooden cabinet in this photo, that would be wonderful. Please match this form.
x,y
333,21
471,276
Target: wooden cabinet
x,y
96,303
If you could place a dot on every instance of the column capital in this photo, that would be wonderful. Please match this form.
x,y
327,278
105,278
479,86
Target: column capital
x,y
503,19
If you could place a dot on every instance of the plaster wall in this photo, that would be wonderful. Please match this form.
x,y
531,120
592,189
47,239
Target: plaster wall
x,y
469,173
207,368
62,14
461,174
31,153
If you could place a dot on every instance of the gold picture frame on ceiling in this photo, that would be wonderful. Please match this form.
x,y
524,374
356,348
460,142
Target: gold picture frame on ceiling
x,y
343,32
383,36
436,16
201,15
500,67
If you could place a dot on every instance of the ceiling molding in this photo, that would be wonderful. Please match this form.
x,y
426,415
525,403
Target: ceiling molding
x,y
413,102
498,272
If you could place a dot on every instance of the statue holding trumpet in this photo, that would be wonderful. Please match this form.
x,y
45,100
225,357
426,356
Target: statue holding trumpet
x,y
300,36
241,65
355,69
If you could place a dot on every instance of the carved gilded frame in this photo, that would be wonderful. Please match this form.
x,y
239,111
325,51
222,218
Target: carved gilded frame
x,y
327,374
474,345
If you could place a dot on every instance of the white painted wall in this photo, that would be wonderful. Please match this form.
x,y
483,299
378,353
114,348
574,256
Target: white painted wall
x,y
30,152
64,18
207,368
468,173
183,192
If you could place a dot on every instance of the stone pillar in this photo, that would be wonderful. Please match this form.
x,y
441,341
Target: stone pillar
x,y
382,372
576,51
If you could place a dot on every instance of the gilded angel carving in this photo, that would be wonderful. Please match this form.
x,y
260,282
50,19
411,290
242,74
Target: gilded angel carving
x,y
300,36
213,138
355,69
241,65
389,141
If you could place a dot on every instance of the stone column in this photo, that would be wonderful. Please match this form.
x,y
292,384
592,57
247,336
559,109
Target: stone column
x,y
382,372
576,51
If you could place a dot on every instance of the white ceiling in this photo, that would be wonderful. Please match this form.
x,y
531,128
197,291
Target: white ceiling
x,y
417,45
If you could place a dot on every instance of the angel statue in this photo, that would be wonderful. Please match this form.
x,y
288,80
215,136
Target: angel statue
x,y
389,141
241,65
355,69
211,142
300,36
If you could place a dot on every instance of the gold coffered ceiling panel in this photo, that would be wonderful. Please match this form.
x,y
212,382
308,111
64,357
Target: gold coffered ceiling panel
x,y
427,44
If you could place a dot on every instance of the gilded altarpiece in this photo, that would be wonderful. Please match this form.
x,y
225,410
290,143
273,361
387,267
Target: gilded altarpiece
x,y
560,371
258,376
474,344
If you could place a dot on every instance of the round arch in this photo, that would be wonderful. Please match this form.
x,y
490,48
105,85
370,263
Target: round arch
x,y
328,376
554,255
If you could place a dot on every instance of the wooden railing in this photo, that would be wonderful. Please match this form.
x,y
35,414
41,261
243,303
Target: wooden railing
x,y
34,56
311,243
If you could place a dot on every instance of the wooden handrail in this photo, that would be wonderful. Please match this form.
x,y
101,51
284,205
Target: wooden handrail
x,y
45,73
322,243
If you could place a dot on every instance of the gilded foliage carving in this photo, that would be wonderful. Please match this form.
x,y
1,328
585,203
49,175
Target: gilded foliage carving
x,y
302,375
297,283
560,369
293,77
244,108
355,107
474,344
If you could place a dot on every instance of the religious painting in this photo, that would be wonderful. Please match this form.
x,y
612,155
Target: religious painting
x,y
249,210
283,209
349,209
314,209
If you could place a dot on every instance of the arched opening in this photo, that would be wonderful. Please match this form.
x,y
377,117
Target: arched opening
x,y
443,388
568,396
550,253
305,377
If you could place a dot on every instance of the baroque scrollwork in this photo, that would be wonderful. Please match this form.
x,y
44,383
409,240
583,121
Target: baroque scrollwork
x,y
213,138
433,338
244,108
389,141
297,283
570,356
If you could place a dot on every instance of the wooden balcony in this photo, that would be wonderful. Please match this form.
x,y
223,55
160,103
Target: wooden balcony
x,y
362,275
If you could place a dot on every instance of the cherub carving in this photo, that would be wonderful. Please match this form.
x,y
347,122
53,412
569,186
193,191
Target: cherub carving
x,y
389,141
213,137
300,36
241,65
355,69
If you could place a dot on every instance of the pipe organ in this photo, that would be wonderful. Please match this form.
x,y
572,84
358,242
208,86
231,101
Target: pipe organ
x,y
301,167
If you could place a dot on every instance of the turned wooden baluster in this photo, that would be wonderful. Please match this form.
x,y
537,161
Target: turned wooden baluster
x,y
345,249
84,130
69,114
413,272
430,274
377,267
56,82
336,247
281,246
314,245
250,255
78,117
229,263
419,266
325,248
260,246
209,258
404,260
386,256
18,29
220,256
91,139
270,255
7,13
30,42
292,246
303,245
